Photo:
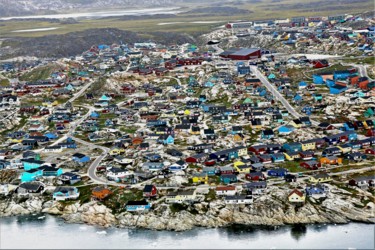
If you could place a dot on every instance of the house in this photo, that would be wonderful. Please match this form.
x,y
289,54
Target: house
x,y
188,196
255,176
291,156
355,156
278,172
31,163
80,158
150,191
267,134
255,188
307,155
243,168
153,166
228,178
229,154
33,187
363,182
290,178
308,145
320,178
200,178
116,174
166,139
100,193
296,196
331,151
292,147
258,149
65,193
273,148
279,157
138,206
317,191
31,175
226,190
49,170
69,178
198,158
238,199
311,164
210,171
331,160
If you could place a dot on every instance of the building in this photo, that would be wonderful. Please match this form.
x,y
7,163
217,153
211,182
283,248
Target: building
x,y
296,196
138,206
242,54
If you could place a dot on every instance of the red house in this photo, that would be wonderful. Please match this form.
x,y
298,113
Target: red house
x,y
255,176
370,151
196,158
318,64
370,132
150,191
306,155
258,149
310,165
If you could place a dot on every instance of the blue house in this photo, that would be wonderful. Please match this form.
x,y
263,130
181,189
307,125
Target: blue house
x,y
293,147
348,126
337,89
228,178
302,85
153,166
318,79
332,139
80,158
94,115
51,171
209,171
352,136
29,164
341,75
297,98
156,123
4,164
267,134
51,136
31,175
135,206
279,157
209,84
166,139
317,190
286,129
278,172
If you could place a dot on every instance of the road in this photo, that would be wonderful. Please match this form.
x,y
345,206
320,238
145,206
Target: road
x,y
79,93
277,94
362,70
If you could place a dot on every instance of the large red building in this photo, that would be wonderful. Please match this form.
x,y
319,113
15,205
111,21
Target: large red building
x,y
242,54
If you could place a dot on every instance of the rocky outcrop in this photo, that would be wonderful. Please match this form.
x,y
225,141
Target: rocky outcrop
x,y
91,213
25,206
270,209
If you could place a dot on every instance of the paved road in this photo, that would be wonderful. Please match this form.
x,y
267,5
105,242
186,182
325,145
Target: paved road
x,y
277,94
79,93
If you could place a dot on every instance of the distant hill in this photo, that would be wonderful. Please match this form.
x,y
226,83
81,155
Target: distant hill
x,y
31,7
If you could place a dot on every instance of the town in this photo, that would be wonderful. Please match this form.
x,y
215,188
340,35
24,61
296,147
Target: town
x,y
170,137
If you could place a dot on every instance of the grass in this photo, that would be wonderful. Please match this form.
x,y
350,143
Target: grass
x,y
120,197
4,82
176,208
293,166
128,130
40,73
365,60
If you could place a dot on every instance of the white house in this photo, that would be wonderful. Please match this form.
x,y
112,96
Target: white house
x,y
238,199
226,190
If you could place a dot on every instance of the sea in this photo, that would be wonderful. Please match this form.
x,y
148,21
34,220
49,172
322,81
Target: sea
x,y
48,232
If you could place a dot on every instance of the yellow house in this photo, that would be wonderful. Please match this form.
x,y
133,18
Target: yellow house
x,y
116,151
291,156
187,112
50,104
319,178
200,178
308,145
182,196
243,169
296,196
194,130
238,163
296,124
242,151
345,150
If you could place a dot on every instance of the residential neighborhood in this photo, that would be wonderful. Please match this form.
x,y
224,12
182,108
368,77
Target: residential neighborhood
x,y
143,127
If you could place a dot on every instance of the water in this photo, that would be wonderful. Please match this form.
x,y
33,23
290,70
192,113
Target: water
x,y
99,14
52,232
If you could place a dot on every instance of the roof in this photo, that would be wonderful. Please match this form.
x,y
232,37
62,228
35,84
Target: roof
x,y
297,192
244,52
225,188
137,203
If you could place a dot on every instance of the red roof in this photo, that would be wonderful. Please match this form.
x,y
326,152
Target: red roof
x,y
297,192
225,188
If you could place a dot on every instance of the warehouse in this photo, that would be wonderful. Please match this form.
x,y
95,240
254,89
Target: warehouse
x,y
242,54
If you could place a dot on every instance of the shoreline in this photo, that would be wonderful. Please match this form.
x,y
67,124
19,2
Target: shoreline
x,y
271,209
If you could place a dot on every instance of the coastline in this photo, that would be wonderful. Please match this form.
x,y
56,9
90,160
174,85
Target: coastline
x,y
271,209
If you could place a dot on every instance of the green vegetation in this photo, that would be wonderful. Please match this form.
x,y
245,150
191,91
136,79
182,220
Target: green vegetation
x,y
4,82
85,194
211,195
40,73
364,60
120,197
128,130
293,166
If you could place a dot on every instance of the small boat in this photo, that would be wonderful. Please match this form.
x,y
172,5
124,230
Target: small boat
x,y
41,217
101,232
